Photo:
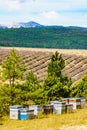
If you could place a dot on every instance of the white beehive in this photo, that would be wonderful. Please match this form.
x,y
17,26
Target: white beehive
x,y
37,109
15,111
58,107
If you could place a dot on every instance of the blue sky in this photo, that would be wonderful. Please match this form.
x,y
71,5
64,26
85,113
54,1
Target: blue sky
x,y
46,12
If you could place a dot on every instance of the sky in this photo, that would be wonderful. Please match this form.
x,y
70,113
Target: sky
x,y
45,12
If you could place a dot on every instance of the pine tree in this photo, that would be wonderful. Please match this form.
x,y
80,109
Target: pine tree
x,y
13,69
56,85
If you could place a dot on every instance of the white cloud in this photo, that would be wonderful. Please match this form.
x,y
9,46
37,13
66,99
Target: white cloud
x,y
50,15
43,5
61,12
10,5
13,4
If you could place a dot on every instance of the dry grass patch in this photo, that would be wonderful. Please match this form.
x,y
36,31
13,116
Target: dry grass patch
x,y
49,122
63,51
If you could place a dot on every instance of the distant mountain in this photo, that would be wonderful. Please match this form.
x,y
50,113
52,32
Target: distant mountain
x,y
1,26
30,24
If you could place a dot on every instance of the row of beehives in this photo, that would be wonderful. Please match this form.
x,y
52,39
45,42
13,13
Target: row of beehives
x,y
67,105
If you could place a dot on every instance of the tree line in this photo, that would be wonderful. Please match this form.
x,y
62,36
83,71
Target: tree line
x,y
45,37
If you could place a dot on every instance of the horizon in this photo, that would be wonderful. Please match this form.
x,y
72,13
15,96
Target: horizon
x,y
55,12
16,24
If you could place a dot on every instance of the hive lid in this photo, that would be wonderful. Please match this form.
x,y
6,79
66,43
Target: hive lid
x,y
16,107
69,104
53,102
26,110
48,105
35,106
74,98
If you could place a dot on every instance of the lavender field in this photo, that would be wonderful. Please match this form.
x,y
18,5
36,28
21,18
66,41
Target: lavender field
x,y
38,59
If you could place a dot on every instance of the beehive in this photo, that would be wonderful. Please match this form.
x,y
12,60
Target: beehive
x,y
48,109
37,109
76,102
83,102
58,107
69,108
26,114
15,111
65,100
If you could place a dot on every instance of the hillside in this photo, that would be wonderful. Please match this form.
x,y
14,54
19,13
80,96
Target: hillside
x,y
38,59
45,37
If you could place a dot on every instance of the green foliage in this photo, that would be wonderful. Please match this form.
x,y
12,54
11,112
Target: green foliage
x,y
56,65
32,82
54,88
20,96
37,96
80,88
46,37
12,70
33,88
15,92
56,85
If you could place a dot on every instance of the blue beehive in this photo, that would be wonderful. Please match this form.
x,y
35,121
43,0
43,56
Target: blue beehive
x,y
26,114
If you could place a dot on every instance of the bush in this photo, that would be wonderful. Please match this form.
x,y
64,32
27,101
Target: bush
x,y
80,88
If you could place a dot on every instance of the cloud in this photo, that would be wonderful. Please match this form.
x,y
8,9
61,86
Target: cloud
x,y
43,5
23,1
50,15
61,12
13,4
9,4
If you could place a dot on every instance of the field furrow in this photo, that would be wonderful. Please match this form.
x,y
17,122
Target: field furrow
x,y
37,60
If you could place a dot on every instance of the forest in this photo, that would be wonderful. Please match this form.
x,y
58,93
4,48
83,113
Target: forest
x,y
45,37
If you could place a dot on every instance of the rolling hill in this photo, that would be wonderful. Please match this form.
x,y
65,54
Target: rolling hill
x,y
44,37
38,59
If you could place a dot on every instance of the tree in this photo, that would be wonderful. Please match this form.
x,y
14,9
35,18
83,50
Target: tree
x,y
33,88
32,82
56,85
79,89
13,69
56,65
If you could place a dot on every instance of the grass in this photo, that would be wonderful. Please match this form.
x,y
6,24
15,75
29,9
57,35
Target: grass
x,y
70,121
82,52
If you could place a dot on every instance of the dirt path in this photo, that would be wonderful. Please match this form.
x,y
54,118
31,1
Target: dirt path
x,y
81,127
